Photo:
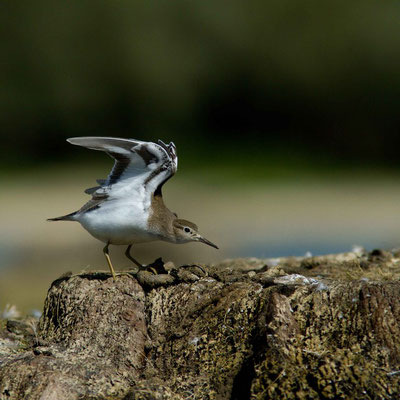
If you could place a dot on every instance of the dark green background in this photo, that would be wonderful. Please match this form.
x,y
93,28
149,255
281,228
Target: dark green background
x,y
233,81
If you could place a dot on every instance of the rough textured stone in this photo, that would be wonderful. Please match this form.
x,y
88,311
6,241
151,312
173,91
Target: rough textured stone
x,y
92,339
291,328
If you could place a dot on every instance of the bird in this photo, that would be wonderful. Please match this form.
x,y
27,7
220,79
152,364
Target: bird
x,y
128,207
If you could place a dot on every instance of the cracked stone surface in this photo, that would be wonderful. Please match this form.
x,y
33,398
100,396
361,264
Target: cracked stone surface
x,y
292,328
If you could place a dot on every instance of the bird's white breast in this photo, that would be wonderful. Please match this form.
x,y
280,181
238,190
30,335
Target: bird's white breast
x,y
120,221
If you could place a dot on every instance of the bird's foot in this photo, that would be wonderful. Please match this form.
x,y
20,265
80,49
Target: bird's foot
x,y
127,273
155,274
157,267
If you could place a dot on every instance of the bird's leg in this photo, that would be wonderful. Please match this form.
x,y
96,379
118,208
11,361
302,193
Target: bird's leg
x,y
128,254
105,251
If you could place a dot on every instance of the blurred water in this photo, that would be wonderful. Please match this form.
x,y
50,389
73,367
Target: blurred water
x,y
305,248
265,219
10,253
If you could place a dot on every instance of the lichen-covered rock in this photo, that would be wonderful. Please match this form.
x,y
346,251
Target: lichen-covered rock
x,y
340,342
299,328
91,342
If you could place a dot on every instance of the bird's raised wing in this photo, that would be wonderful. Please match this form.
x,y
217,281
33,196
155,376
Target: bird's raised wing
x,y
140,167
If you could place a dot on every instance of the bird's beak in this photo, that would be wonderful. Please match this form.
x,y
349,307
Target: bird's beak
x,y
204,240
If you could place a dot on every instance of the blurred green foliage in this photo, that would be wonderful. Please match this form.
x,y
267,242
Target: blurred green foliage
x,y
238,80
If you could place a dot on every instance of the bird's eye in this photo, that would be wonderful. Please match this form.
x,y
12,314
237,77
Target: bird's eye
x,y
187,230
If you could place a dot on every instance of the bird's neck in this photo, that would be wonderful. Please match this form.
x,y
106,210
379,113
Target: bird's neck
x,y
161,218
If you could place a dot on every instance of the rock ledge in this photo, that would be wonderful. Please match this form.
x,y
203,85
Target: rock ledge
x,y
293,328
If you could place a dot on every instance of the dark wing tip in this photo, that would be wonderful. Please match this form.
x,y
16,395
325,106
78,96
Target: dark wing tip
x,y
169,148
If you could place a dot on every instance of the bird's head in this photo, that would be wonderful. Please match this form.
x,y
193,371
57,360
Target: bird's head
x,y
186,231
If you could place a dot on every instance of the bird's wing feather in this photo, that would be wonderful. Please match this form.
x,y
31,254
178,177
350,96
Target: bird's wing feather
x,y
140,167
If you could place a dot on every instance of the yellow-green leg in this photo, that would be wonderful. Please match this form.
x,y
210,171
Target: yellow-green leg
x,y
128,254
105,251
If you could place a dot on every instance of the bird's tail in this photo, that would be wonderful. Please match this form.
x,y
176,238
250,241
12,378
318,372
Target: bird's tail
x,y
68,217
